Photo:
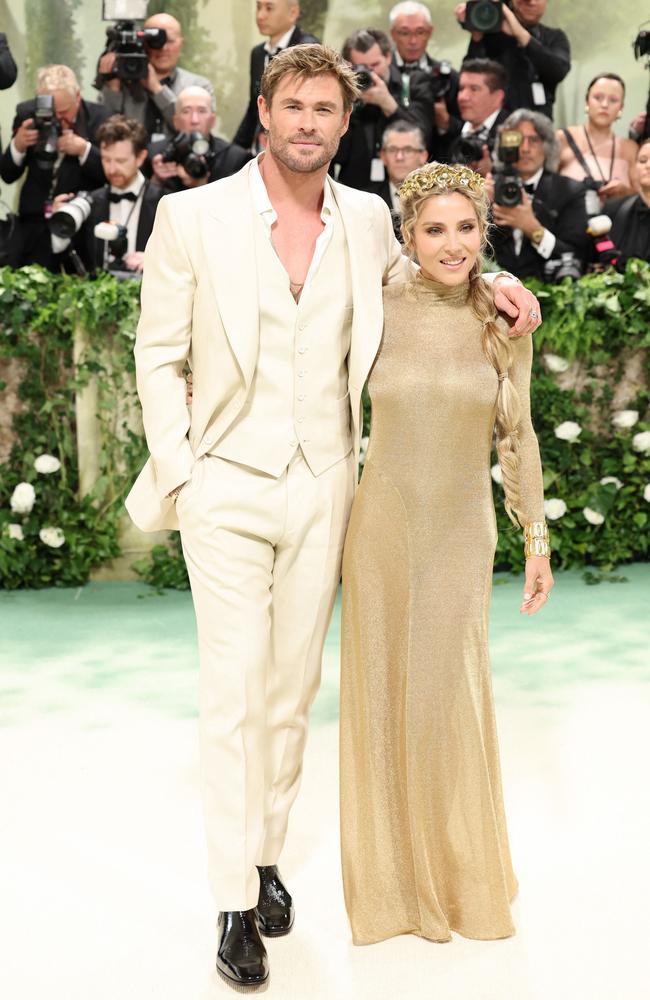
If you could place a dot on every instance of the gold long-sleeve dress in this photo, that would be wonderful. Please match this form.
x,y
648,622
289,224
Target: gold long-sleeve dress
x,y
423,832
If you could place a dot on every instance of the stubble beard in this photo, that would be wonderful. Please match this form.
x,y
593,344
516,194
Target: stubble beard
x,y
283,150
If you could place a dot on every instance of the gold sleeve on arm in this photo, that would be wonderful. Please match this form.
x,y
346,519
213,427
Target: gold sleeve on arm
x,y
531,487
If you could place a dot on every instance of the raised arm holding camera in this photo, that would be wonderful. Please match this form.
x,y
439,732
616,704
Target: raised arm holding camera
x,y
381,103
535,57
194,156
54,143
139,75
541,220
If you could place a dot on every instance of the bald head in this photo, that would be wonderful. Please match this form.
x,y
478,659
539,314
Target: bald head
x,y
275,17
165,60
194,111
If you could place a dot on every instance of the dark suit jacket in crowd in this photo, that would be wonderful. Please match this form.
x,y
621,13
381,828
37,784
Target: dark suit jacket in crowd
x,y
368,123
226,159
31,235
630,231
8,70
249,125
451,102
559,204
546,58
90,249
450,143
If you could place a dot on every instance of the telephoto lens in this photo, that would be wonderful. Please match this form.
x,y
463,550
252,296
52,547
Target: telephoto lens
x,y
364,77
69,219
484,15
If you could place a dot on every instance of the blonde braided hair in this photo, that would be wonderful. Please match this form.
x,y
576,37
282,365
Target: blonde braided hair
x,y
426,182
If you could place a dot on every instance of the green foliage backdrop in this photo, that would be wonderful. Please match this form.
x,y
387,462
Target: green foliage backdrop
x,y
598,324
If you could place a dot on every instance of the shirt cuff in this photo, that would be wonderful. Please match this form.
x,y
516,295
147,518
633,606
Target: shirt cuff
x,y
84,156
546,245
16,156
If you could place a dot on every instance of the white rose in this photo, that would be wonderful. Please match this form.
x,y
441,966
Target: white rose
x,y
641,442
15,531
363,448
611,479
53,537
624,419
593,516
646,493
554,508
22,498
568,431
555,363
497,474
46,464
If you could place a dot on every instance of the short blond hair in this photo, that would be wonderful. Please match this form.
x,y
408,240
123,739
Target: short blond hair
x,y
305,62
55,77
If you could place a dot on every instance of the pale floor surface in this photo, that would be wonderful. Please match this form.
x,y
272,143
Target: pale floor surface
x,y
102,864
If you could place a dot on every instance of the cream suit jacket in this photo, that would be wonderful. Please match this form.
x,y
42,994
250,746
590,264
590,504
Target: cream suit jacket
x,y
200,301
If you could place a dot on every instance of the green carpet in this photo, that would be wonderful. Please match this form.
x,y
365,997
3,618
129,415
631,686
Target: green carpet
x,y
115,644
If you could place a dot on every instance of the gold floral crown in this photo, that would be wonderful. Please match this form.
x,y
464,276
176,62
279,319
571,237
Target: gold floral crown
x,y
440,176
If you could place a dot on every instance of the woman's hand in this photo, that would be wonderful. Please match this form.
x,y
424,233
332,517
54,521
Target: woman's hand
x,y
538,585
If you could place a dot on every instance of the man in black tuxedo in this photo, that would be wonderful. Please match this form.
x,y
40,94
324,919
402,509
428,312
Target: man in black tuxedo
x,y
380,105
402,150
128,200
77,165
8,70
411,28
551,219
277,19
536,58
194,114
481,95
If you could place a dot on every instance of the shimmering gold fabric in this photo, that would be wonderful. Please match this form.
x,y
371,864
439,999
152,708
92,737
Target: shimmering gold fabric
x,y
424,841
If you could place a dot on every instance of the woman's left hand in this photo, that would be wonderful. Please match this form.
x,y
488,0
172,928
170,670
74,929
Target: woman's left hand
x,y
538,585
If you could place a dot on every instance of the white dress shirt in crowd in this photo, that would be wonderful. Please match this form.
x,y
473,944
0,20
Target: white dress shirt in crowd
x,y
282,44
546,245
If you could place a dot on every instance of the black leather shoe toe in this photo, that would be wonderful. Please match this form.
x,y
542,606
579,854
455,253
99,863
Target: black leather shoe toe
x,y
241,957
275,910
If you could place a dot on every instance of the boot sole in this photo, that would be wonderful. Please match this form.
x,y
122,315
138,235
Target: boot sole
x,y
260,987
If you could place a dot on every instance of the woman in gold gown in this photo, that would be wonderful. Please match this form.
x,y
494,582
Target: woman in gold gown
x,y
424,841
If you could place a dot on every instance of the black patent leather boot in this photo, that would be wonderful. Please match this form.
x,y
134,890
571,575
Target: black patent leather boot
x,y
241,957
275,907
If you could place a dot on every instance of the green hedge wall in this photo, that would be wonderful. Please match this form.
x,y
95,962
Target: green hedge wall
x,y
51,536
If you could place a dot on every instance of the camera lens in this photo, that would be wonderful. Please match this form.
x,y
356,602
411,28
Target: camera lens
x,y
483,15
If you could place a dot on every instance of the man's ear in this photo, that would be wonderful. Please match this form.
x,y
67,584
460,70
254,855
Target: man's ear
x,y
263,112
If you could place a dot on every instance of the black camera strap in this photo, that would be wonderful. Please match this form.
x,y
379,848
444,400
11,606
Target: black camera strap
x,y
593,153
577,152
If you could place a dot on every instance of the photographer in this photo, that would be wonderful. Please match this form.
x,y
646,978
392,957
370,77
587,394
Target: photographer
x,y
60,155
380,105
549,218
536,58
630,231
128,200
151,101
277,19
481,96
175,165
8,70
411,28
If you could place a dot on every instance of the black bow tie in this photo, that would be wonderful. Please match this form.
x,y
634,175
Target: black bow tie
x,y
529,188
410,66
127,196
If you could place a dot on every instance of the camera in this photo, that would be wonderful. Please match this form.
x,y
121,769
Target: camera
x,y
47,125
441,80
568,265
470,149
69,219
641,44
364,77
607,253
484,15
507,182
190,150
115,236
129,42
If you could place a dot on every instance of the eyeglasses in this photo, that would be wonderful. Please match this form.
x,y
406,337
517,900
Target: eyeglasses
x,y
532,140
416,33
404,150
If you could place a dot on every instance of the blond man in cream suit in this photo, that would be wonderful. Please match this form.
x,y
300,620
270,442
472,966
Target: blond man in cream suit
x,y
269,282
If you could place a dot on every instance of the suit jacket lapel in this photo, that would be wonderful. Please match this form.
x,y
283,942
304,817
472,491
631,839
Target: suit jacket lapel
x,y
229,247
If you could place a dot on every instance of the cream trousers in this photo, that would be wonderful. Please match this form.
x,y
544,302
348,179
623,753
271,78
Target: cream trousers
x,y
264,559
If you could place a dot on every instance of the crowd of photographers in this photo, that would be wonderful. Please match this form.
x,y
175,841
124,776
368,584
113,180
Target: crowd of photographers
x,y
564,201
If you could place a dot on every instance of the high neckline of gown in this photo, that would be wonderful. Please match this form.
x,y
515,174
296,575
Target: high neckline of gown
x,y
449,293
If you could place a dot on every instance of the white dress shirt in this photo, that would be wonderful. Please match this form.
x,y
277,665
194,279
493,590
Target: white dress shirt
x,y
263,207
546,245
282,44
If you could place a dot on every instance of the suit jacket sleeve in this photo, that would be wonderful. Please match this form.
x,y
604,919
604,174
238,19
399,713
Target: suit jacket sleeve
x,y
246,132
531,488
9,172
162,347
570,226
550,54
8,70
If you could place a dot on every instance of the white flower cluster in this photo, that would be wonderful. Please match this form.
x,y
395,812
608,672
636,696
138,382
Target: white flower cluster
x,y
22,502
568,431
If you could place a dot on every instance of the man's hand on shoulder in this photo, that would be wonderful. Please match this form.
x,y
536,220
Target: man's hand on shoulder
x,y
517,302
